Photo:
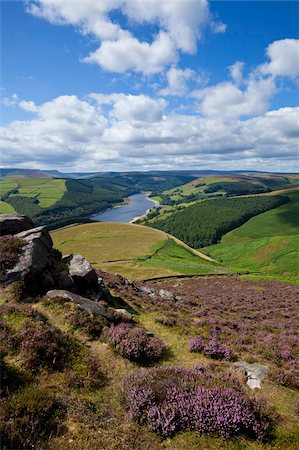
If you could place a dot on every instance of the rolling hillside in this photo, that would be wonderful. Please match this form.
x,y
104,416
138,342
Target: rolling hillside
x,y
133,251
266,243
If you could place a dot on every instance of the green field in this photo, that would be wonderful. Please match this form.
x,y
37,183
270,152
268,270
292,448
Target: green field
x,y
131,250
46,191
267,243
6,208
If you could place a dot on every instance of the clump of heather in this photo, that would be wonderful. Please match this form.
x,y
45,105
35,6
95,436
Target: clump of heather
x,y
196,344
167,321
89,324
288,377
44,346
215,350
135,344
173,399
29,417
10,249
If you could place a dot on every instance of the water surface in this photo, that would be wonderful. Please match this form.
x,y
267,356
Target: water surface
x,y
139,204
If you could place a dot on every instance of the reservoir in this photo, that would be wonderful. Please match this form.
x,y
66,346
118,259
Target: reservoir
x,y
139,204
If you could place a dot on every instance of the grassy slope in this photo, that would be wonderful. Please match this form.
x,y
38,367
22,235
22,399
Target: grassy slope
x,y
268,243
47,191
131,250
6,208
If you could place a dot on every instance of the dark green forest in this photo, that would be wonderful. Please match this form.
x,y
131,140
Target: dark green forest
x,y
204,223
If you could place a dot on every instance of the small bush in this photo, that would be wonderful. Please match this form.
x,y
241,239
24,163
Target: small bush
x,y
286,377
93,378
215,350
29,417
89,324
135,344
44,346
196,344
167,321
173,399
10,248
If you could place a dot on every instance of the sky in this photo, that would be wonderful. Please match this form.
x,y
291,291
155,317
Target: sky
x,y
112,85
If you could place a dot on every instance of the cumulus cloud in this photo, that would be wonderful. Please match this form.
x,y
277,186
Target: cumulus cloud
x,y
180,26
136,133
228,101
128,53
236,71
284,58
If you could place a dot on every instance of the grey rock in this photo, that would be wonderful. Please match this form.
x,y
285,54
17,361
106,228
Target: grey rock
x,y
33,264
81,271
146,289
124,314
254,372
13,224
103,291
88,305
166,294
64,281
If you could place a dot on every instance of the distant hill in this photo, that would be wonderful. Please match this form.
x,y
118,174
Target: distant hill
x,y
266,243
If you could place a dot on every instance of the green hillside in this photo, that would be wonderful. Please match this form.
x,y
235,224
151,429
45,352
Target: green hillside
x,y
267,243
133,251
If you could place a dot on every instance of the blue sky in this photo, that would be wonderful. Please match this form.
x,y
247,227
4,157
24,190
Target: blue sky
x,y
115,85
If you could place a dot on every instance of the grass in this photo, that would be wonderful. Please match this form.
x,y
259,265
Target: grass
x,y
47,191
267,243
6,208
131,250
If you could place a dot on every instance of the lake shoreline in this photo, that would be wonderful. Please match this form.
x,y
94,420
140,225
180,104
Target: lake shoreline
x,y
136,203
155,202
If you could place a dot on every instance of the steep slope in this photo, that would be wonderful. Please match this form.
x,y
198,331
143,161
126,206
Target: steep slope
x,y
267,243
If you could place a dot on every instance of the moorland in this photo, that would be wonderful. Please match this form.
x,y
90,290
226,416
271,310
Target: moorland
x,y
202,298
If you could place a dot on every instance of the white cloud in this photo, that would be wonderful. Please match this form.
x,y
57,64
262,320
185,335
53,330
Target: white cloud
x,y
177,79
28,106
284,58
136,133
236,72
139,108
128,53
180,24
10,101
227,101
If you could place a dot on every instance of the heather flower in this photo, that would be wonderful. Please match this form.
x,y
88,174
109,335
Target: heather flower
x,y
196,344
135,344
173,399
215,350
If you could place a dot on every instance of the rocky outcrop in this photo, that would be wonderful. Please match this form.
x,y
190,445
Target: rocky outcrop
x,y
254,372
41,268
13,224
33,268
81,272
88,305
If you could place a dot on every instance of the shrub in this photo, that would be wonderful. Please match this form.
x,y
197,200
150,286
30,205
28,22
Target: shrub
x,y
44,346
286,377
167,321
196,344
89,324
135,344
29,417
215,350
10,248
92,378
173,399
